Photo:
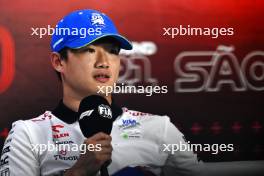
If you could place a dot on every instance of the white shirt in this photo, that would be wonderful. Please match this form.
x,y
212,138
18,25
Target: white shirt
x,y
137,139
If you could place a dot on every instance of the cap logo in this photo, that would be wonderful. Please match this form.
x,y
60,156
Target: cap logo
x,y
97,19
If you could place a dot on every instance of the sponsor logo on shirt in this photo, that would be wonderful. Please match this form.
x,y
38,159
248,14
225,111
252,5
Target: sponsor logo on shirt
x,y
136,113
129,123
63,152
132,134
6,150
62,135
4,161
130,129
5,172
57,129
71,158
45,116
63,142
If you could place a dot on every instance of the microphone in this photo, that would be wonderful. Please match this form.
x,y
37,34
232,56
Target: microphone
x,y
95,115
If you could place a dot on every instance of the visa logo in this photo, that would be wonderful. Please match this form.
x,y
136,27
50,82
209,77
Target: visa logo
x,y
129,122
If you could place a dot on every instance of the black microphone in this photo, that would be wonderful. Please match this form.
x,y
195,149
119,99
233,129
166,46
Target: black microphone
x,y
95,115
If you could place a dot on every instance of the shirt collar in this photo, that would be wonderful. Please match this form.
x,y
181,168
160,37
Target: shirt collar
x,y
69,116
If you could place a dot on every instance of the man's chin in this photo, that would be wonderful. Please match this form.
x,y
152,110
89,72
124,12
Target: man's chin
x,y
100,89
105,90
104,94
96,92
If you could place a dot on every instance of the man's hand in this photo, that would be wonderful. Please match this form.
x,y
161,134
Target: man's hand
x,y
90,162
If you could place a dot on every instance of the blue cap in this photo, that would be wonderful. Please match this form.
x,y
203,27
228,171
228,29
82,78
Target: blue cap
x,y
83,27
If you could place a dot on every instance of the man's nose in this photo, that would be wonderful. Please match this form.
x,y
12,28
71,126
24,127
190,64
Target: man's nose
x,y
101,59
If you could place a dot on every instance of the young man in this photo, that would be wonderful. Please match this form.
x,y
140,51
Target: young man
x,y
83,63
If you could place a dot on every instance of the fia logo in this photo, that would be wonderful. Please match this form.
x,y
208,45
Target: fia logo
x,y
105,111
97,19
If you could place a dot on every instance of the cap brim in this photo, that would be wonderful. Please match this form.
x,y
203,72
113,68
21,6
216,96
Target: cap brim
x,y
81,42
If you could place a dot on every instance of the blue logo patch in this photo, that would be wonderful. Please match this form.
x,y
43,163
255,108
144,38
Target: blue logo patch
x,y
129,122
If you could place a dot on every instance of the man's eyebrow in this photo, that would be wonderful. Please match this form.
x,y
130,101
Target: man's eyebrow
x,y
106,45
82,49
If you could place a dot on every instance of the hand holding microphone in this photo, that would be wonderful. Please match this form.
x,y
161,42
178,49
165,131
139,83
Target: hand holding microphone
x,y
95,119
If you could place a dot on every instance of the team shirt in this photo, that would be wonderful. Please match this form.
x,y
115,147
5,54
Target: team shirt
x,y
138,139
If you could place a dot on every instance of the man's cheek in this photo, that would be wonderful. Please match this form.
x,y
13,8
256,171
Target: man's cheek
x,y
114,78
116,71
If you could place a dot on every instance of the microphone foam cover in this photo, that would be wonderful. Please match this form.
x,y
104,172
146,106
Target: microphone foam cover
x,y
95,116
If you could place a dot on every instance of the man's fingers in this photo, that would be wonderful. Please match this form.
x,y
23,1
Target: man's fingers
x,y
105,143
101,136
106,150
104,157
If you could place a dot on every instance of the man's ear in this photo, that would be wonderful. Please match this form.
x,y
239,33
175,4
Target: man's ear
x,y
56,61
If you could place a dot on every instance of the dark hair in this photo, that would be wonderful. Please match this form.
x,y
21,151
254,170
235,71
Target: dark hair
x,y
64,56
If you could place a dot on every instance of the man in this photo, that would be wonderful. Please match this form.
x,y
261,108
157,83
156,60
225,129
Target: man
x,y
83,64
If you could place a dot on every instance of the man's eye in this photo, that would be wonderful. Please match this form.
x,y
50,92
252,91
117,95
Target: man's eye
x,y
114,51
90,50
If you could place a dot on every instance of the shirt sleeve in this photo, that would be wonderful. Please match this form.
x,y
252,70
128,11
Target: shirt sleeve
x,y
180,161
17,156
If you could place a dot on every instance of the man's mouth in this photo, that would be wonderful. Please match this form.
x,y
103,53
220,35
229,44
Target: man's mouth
x,y
102,78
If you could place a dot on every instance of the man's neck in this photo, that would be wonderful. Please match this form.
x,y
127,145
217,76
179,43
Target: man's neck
x,y
71,103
